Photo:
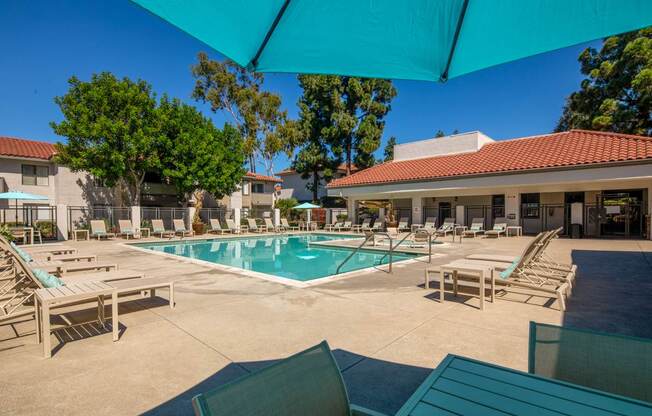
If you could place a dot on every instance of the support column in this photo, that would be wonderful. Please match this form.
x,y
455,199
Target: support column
x,y
350,210
236,217
381,216
190,214
417,212
135,217
460,216
513,207
277,217
63,232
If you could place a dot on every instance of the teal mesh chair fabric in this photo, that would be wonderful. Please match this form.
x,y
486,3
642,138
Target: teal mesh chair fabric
x,y
609,362
308,383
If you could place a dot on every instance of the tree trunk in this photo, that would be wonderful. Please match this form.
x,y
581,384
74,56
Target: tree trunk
x,y
199,203
348,157
315,186
252,164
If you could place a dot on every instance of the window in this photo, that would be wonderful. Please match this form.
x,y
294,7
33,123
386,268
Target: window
x,y
498,205
530,205
258,188
245,188
36,175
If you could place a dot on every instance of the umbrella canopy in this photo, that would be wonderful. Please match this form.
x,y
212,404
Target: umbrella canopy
x,y
306,205
409,39
21,195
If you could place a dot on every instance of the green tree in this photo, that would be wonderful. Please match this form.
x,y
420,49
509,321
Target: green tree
x,y
388,153
196,157
285,205
440,133
257,114
313,162
616,94
112,130
353,111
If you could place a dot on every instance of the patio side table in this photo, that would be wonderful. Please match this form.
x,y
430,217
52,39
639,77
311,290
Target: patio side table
x,y
143,231
518,230
481,271
77,232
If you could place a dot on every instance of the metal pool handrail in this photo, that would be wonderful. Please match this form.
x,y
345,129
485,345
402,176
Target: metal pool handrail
x,y
372,235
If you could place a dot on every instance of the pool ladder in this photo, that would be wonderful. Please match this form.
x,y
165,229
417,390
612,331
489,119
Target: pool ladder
x,y
392,247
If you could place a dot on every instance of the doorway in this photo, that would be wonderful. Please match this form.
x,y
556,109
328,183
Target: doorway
x,y
445,211
621,213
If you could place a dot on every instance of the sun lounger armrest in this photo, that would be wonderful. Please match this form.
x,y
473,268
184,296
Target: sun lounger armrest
x,y
363,411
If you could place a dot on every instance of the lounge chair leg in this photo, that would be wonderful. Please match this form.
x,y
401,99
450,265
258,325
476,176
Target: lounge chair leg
x,y
37,318
114,315
442,277
172,295
426,283
45,319
560,299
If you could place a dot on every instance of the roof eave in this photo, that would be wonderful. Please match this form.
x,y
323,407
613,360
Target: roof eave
x,y
502,173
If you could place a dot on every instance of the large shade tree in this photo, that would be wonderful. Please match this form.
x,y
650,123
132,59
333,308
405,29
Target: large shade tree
x,y
112,130
196,157
355,109
616,94
264,126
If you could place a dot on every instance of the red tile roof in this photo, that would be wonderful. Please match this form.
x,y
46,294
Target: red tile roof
x,y
11,146
341,168
264,178
558,150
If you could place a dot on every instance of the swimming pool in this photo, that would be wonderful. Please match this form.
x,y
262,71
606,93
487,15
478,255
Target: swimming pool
x,y
287,256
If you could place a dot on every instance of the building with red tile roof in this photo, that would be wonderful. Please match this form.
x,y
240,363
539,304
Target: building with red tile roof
x,y
22,148
552,151
531,181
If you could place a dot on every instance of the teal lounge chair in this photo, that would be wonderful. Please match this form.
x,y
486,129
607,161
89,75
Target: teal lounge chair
x,y
307,383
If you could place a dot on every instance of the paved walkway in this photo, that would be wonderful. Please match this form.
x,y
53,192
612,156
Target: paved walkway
x,y
386,330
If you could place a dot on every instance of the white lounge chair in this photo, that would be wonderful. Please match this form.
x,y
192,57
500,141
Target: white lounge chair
x,y
403,224
346,226
127,229
477,227
500,227
332,227
216,227
236,229
269,226
159,228
254,227
284,223
98,229
180,228
447,227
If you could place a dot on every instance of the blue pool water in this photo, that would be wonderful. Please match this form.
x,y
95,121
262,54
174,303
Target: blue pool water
x,y
289,256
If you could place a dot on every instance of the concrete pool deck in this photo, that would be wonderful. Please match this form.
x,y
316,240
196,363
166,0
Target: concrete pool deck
x,y
387,331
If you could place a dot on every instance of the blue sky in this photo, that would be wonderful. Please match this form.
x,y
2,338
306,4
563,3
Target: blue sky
x,y
46,42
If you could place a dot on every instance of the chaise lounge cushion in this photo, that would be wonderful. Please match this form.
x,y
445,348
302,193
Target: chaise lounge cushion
x,y
508,271
21,253
47,279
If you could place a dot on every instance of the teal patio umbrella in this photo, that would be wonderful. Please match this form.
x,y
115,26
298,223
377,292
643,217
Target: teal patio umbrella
x,y
16,195
430,40
307,206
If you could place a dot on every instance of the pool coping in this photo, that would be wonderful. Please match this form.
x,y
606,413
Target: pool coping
x,y
271,277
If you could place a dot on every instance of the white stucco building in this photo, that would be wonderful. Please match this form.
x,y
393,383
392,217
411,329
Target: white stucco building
x,y
531,181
